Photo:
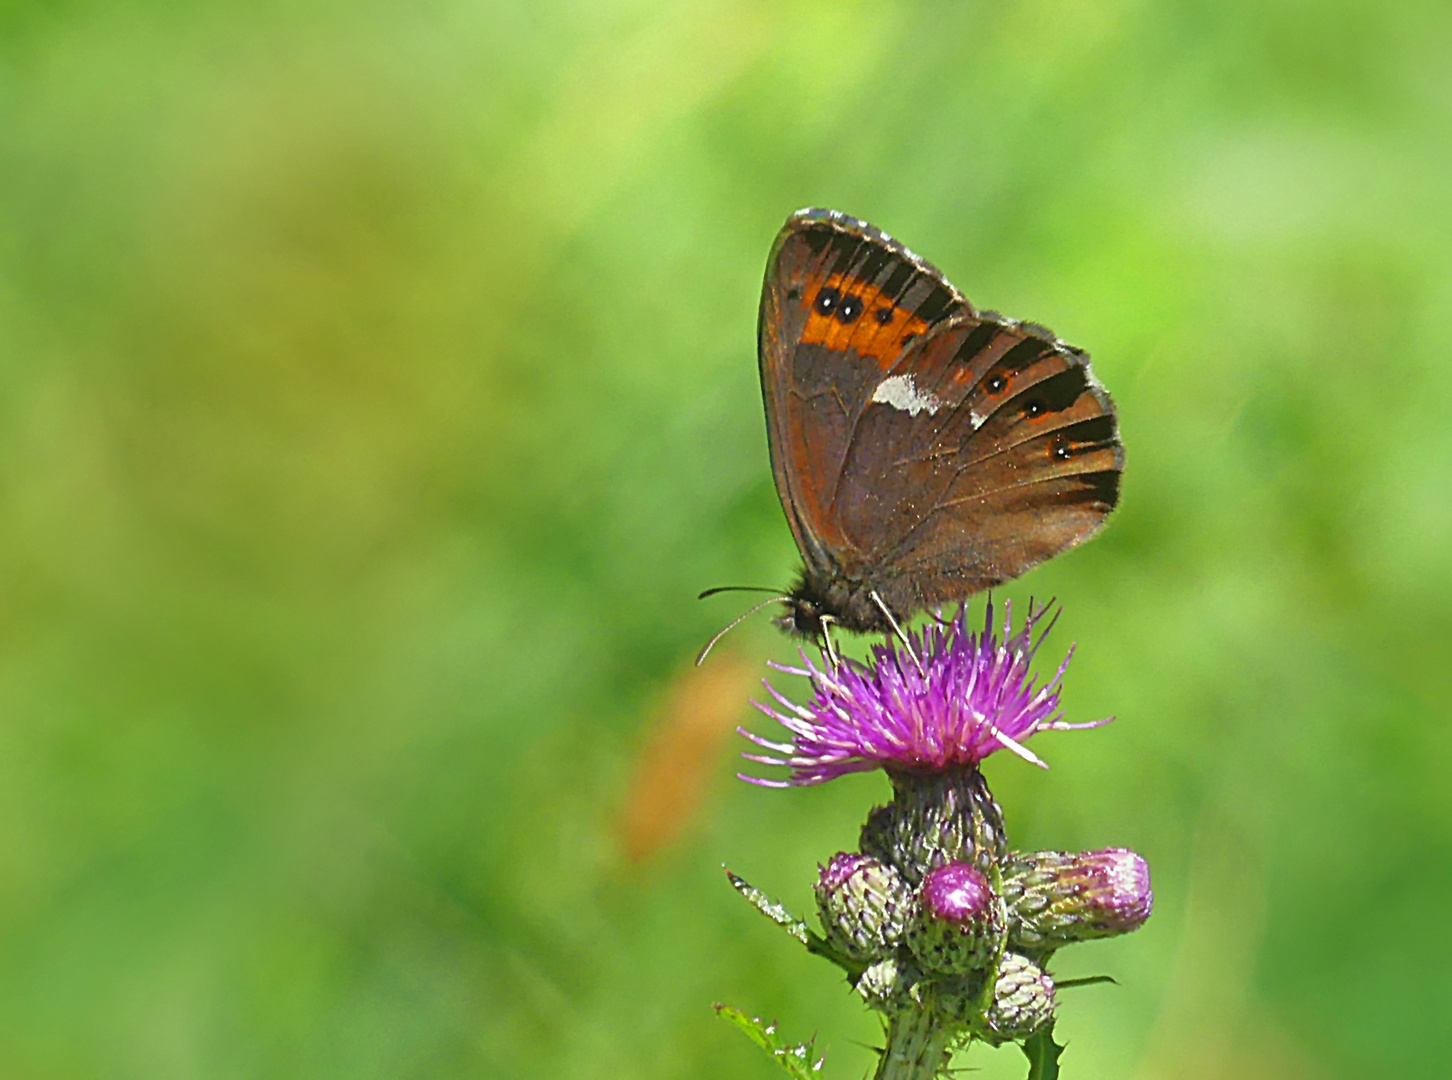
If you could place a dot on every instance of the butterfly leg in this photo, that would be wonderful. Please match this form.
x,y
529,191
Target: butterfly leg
x,y
828,647
898,630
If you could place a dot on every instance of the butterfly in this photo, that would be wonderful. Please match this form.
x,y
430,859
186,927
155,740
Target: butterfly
x,y
922,450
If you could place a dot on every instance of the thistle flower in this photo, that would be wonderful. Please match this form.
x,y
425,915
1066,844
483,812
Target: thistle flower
x,y
957,697
940,927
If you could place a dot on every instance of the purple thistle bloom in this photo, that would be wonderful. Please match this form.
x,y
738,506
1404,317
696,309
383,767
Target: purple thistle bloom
x,y
973,695
957,893
960,926
1116,889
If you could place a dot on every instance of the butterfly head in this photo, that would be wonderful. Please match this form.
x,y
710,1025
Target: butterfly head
x,y
802,617
818,599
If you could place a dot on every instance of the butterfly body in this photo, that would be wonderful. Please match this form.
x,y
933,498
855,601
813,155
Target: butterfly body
x,y
922,450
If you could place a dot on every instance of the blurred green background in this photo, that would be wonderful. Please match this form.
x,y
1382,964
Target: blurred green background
x,y
377,389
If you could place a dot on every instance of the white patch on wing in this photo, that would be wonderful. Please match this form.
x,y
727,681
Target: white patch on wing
x,y
900,392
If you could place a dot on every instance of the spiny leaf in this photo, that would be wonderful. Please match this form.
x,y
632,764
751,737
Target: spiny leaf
x,y
778,914
796,1060
772,910
1088,980
1043,1054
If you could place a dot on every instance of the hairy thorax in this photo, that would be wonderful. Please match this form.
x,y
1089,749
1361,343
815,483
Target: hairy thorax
x,y
817,598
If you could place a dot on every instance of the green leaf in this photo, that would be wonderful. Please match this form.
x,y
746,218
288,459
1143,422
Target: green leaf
x,y
796,1060
773,910
1043,1054
778,914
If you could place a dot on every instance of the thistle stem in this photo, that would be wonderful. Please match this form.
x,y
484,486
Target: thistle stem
x,y
917,1046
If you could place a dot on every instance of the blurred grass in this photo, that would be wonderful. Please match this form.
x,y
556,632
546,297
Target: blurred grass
x,y
377,388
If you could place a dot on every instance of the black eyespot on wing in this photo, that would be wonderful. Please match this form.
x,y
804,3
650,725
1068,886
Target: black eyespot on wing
x,y
849,309
996,383
1034,409
826,301
1096,433
794,292
884,316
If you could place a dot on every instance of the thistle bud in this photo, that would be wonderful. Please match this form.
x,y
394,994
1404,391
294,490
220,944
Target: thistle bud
x,y
1023,1000
959,926
1055,898
879,985
935,819
864,905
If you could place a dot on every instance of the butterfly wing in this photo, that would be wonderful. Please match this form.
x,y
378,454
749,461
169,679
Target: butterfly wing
x,y
987,448
841,303
921,450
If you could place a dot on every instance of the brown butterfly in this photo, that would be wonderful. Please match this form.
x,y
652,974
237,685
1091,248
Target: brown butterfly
x,y
922,450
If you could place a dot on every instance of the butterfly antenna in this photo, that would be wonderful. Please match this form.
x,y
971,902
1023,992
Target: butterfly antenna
x,y
898,630
734,588
732,625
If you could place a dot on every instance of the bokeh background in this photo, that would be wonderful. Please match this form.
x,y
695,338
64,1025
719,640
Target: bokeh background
x,y
377,389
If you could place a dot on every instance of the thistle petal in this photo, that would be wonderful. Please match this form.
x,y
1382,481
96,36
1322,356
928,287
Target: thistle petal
x,y
973,696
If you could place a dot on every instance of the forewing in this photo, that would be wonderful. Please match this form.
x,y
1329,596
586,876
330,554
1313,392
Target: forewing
x,y
841,303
